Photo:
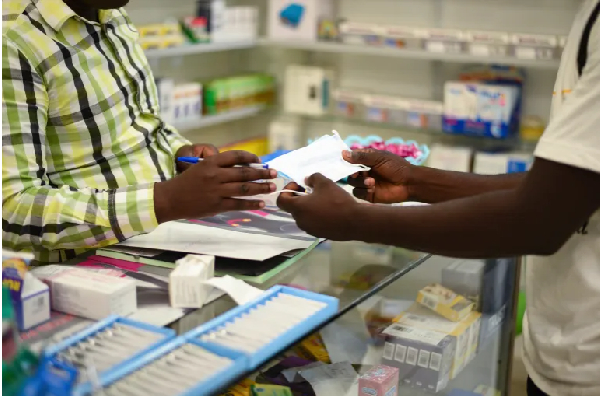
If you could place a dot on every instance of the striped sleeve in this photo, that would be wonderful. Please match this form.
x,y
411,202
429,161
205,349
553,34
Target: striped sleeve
x,y
34,211
175,140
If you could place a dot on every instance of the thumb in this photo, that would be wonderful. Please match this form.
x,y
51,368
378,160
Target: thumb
x,y
317,181
204,150
368,157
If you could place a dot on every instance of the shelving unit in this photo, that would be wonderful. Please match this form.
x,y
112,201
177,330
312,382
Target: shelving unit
x,y
212,120
194,49
382,51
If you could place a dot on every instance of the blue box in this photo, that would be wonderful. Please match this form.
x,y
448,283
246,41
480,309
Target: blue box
x,y
285,340
167,334
292,14
218,380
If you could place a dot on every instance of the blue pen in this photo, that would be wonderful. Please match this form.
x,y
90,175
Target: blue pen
x,y
195,160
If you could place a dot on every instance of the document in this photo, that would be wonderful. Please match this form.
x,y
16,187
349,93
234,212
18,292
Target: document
x,y
199,239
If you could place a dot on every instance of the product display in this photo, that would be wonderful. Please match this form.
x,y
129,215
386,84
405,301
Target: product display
x,y
91,295
297,20
481,43
445,302
30,298
457,159
380,380
535,46
307,90
465,333
424,357
237,92
499,163
445,40
404,37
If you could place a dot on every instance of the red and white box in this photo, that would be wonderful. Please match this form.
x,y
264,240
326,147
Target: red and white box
x,y
380,380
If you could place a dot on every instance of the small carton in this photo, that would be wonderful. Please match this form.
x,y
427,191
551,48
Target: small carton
x,y
445,302
186,282
423,357
29,296
92,295
379,381
465,333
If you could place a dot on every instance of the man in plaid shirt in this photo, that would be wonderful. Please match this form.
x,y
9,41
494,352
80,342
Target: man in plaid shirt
x,y
86,159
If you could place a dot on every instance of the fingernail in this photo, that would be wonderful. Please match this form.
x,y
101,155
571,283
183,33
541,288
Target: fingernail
x,y
273,173
272,187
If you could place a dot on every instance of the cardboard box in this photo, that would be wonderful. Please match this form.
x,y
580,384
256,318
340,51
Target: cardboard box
x,y
464,333
307,90
297,20
92,295
380,381
445,302
29,296
423,357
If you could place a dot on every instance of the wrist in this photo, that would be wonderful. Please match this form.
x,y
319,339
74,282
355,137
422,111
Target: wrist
x,y
163,205
416,177
353,230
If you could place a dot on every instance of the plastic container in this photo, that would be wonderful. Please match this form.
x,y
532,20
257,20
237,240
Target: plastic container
x,y
481,43
535,46
403,37
445,41
361,33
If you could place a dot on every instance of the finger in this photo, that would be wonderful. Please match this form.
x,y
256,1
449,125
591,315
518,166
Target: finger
x,y
245,174
358,181
246,189
235,157
287,202
292,186
231,204
183,166
317,181
364,194
368,157
204,150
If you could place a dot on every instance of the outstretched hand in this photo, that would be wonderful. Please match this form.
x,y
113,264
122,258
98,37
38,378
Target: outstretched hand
x,y
328,212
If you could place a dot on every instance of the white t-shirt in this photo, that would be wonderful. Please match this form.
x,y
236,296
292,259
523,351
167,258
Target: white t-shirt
x,y
562,322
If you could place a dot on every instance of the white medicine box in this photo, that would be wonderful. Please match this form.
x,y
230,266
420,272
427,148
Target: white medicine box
x,y
307,90
297,19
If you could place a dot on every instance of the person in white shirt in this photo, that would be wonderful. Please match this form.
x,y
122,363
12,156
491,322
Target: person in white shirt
x,y
551,212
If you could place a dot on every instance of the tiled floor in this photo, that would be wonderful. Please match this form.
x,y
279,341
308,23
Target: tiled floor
x,y
519,376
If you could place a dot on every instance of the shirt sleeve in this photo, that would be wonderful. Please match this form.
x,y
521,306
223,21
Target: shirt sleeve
x,y
175,140
35,212
573,135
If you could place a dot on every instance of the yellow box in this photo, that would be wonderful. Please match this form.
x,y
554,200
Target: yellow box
x,y
313,348
466,332
445,302
149,30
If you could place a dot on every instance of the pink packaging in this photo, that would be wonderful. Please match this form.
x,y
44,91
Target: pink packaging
x,y
379,381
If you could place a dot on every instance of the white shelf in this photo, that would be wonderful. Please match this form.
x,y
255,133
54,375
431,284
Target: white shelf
x,y
409,53
207,121
191,49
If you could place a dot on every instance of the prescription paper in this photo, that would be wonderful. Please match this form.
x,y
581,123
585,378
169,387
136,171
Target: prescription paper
x,y
324,156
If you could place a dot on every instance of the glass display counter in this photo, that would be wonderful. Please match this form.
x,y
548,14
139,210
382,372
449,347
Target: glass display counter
x,y
384,342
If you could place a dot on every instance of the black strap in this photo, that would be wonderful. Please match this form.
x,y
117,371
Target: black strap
x,y
585,39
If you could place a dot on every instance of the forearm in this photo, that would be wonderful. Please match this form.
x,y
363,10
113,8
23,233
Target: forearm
x,y
62,218
433,185
484,226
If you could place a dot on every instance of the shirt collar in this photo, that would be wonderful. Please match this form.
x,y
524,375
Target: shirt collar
x,y
56,13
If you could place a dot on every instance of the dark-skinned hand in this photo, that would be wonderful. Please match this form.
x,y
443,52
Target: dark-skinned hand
x,y
328,212
386,182
198,150
209,187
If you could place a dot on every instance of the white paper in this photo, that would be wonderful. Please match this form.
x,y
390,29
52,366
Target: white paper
x,y
332,379
195,238
324,156
293,374
238,290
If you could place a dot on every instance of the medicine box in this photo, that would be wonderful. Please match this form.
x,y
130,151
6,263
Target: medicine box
x,y
307,90
465,333
348,103
29,296
445,302
423,357
482,43
381,108
444,40
298,19
457,159
500,163
403,37
91,295
361,33
379,381
312,348
424,114
535,46
481,109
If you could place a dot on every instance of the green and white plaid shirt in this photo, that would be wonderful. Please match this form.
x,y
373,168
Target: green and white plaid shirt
x,y
82,141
